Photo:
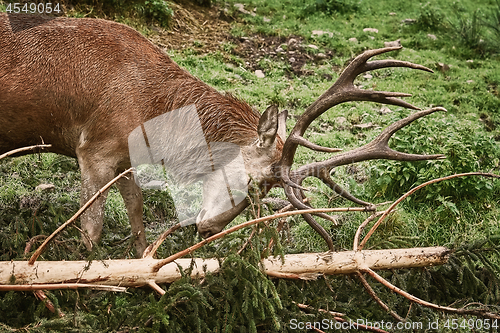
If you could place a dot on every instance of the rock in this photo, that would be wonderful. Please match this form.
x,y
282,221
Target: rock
x,y
280,50
443,67
260,74
384,110
368,76
396,43
314,47
155,185
241,9
321,56
275,203
431,36
341,120
266,20
319,33
292,59
371,30
470,81
353,40
392,14
45,187
364,126
409,21
292,44
327,77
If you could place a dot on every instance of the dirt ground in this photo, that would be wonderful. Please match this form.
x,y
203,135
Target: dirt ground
x,y
194,25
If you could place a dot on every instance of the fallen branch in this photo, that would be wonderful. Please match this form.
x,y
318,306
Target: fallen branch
x,y
249,223
338,317
141,272
474,312
39,294
41,248
57,286
150,251
377,299
19,150
407,194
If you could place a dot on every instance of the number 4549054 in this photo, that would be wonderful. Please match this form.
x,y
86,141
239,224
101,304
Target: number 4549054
x,y
32,8
471,324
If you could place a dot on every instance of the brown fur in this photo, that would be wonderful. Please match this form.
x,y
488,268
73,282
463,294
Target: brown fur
x,y
83,85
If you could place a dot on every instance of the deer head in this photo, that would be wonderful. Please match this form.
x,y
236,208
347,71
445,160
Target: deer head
x,y
280,173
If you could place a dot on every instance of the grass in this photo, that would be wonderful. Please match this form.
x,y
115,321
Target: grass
x,y
460,214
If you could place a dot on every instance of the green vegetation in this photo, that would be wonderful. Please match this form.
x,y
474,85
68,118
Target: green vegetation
x,y
459,40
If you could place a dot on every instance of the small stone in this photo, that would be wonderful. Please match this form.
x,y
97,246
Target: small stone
x,y
384,110
341,120
266,20
241,9
320,33
327,77
45,187
392,14
155,185
280,49
321,56
470,60
431,36
470,81
314,47
371,30
364,126
353,40
396,43
443,67
292,59
292,44
368,76
409,21
260,74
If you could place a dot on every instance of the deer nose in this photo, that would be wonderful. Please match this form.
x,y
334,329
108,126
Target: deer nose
x,y
207,231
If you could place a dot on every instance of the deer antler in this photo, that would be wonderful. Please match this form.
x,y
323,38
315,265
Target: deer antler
x,y
344,90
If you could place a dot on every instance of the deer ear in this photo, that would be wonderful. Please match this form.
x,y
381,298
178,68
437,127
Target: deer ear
x,y
268,126
282,124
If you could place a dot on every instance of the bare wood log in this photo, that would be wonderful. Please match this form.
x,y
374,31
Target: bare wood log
x,y
59,286
141,272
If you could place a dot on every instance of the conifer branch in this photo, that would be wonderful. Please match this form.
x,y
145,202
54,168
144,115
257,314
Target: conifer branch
x,y
474,312
41,248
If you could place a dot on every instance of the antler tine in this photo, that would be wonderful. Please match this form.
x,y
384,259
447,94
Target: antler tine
x,y
394,127
378,148
296,199
327,180
344,90
341,91
377,64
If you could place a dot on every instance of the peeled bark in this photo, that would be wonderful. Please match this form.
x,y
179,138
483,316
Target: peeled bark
x,y
140,272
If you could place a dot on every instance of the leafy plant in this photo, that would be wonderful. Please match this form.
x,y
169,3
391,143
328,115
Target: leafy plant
x,y
468,30
431,18
158,10
331,7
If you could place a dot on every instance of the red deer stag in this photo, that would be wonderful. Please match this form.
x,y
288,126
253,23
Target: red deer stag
x,y
86,86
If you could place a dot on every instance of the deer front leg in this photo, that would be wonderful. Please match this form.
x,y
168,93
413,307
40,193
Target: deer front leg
x,y
132,196
96,173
